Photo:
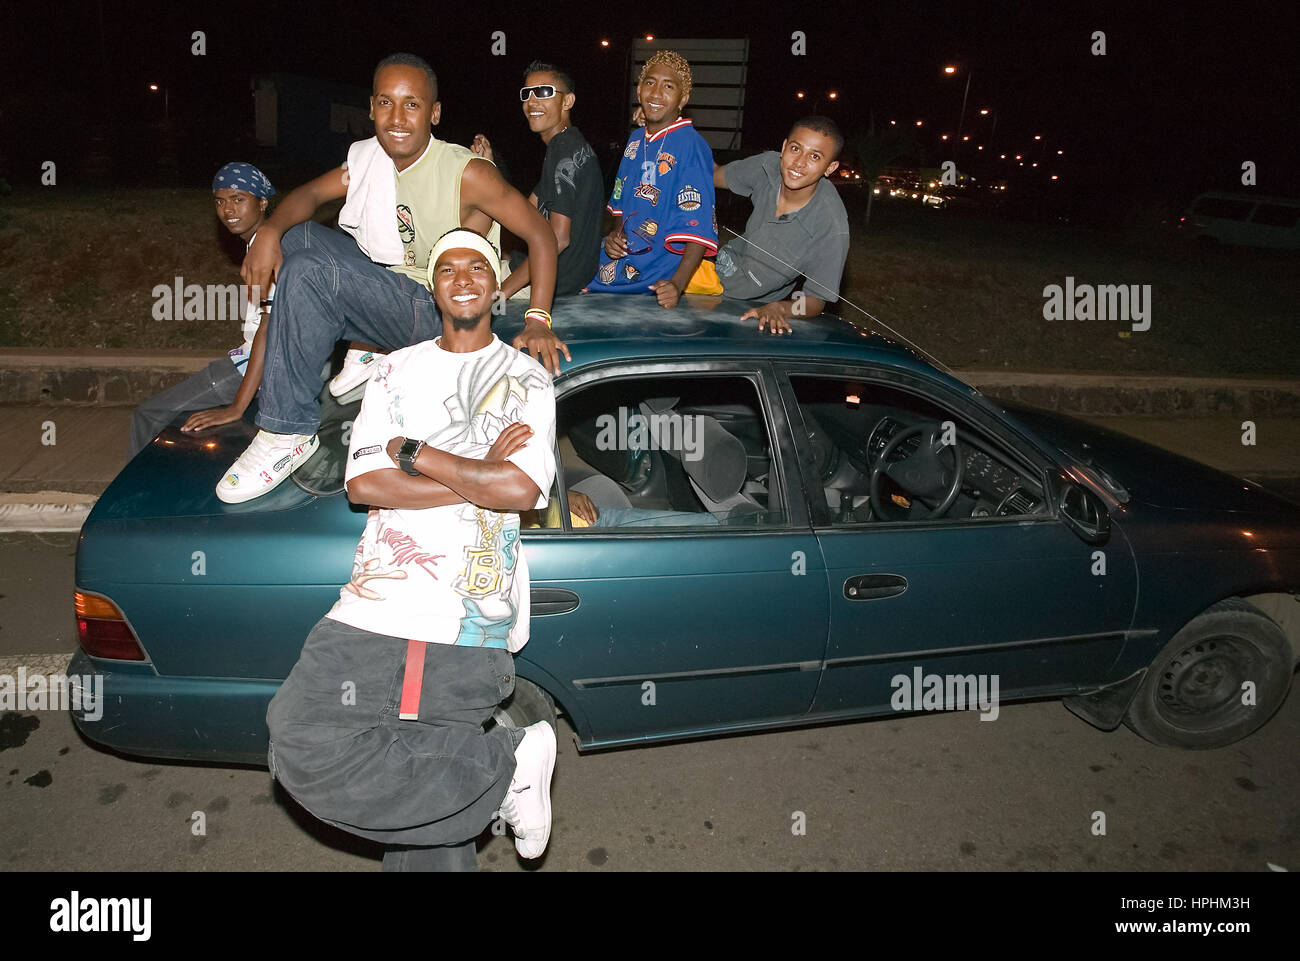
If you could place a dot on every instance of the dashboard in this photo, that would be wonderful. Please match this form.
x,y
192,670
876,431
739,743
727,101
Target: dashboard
x,y
989,485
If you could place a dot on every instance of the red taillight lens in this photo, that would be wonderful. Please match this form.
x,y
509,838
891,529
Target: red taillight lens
x,y
103,631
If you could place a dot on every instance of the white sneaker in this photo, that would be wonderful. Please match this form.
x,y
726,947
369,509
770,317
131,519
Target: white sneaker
x,y
269,459
358,365
527,805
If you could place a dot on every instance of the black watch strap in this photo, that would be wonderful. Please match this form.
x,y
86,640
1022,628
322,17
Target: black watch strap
x,y
407,453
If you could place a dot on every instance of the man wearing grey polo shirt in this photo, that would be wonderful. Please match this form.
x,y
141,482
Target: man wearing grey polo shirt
x,y
798,228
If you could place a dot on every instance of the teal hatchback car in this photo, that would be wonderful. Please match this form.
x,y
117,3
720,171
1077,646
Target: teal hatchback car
x,y
789,531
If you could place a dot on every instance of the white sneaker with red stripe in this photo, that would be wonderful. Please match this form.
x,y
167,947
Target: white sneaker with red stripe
x,y
527,804
269,459
358,365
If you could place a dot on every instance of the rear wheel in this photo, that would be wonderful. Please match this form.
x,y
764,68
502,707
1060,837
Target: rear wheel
x,y
527,705
1195,693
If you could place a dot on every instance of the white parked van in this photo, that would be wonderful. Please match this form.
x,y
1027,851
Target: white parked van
x,y
1244,219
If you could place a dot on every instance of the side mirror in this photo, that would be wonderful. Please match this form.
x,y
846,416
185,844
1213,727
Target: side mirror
x,y
1083,512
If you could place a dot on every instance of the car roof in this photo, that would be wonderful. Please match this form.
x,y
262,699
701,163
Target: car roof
x,y
599,328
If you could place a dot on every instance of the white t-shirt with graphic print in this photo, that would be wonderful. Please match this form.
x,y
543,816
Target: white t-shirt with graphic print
x,y
455,574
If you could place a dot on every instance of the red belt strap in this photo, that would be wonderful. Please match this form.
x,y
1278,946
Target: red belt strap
x,y
412,681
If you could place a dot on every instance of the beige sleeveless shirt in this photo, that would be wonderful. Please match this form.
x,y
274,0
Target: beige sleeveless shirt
x,y
428,205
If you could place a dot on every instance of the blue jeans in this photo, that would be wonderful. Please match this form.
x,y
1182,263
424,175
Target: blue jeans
x,y
328,290
214,386
428,787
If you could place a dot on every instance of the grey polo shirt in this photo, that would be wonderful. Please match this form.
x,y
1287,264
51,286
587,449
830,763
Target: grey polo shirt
x,y
813,240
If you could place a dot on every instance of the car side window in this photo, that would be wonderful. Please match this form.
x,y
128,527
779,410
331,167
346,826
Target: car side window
x,y
549,517
656,452
881,454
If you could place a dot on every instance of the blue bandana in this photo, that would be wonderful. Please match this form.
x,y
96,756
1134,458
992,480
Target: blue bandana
x,y
242,176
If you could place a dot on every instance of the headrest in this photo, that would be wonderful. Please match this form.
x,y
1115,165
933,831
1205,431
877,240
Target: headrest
x,y
721,470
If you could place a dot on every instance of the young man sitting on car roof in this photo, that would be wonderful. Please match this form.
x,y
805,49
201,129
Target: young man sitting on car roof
x,y
569,192
242,194
662,200
798,228
404,189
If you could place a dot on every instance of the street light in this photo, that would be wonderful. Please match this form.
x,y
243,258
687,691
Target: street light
x,y
950,70
154,88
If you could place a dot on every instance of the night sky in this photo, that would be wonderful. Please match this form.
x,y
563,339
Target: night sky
x,y
1184,95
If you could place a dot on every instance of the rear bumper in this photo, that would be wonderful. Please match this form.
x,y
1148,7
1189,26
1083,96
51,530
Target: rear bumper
x,y
214,719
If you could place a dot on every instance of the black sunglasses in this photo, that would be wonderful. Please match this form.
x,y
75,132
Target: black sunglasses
x,y
543,91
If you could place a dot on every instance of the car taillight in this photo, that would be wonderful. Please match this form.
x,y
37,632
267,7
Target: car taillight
x,y
102,629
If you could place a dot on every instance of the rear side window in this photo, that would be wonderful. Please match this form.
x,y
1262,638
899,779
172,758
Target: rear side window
x,y
1223,208
675,451
1276,215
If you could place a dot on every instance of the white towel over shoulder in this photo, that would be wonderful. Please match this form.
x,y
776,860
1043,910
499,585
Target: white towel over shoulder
x,y
370,212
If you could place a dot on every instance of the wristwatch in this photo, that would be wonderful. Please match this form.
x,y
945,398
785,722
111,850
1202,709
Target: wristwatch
x,y
407,453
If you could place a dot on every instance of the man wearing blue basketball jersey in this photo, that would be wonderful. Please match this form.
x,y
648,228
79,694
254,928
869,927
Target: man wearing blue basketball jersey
x,y
662,199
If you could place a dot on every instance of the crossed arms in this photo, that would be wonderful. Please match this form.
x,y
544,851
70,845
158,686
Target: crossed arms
x,y
493,482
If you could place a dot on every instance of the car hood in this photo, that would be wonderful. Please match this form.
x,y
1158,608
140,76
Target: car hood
x,y
1150,474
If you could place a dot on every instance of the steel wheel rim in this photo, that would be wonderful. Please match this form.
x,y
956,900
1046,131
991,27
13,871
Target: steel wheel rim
x,y
1200,687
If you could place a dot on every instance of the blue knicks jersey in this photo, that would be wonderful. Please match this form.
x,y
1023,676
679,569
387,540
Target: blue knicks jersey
x,y
664,193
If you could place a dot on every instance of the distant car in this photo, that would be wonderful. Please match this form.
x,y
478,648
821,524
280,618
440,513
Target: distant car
x,y
1244,219
787,527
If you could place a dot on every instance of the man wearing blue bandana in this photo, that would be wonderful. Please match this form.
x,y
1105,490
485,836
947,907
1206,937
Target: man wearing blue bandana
x,y
663,194
222,391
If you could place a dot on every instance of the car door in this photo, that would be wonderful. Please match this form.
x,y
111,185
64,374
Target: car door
x,y
1000,588
705,607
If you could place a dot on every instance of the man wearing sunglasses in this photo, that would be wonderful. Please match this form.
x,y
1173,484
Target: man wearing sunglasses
x,y
662,200
570,192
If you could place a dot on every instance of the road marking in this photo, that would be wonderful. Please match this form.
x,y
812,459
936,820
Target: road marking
x,y
44,512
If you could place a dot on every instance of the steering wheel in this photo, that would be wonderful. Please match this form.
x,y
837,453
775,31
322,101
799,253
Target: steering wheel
x,y
920,473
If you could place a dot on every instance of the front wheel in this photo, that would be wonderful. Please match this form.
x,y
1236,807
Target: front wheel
x,y
1217,681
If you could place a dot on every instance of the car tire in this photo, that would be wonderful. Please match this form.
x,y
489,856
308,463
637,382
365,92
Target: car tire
x,y
526,705
1192,694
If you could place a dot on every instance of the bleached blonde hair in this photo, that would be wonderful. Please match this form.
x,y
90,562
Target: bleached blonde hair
x,y
673,61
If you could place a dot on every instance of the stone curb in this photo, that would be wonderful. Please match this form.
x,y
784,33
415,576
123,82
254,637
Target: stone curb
x,y
128,377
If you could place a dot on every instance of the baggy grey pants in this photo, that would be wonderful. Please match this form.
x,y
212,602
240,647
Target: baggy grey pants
x,y
214,386
430,785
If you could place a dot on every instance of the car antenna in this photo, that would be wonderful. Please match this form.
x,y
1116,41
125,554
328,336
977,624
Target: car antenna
x,y
920,350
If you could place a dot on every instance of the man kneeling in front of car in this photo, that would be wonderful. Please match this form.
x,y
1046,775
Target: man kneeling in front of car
x,y
379,728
